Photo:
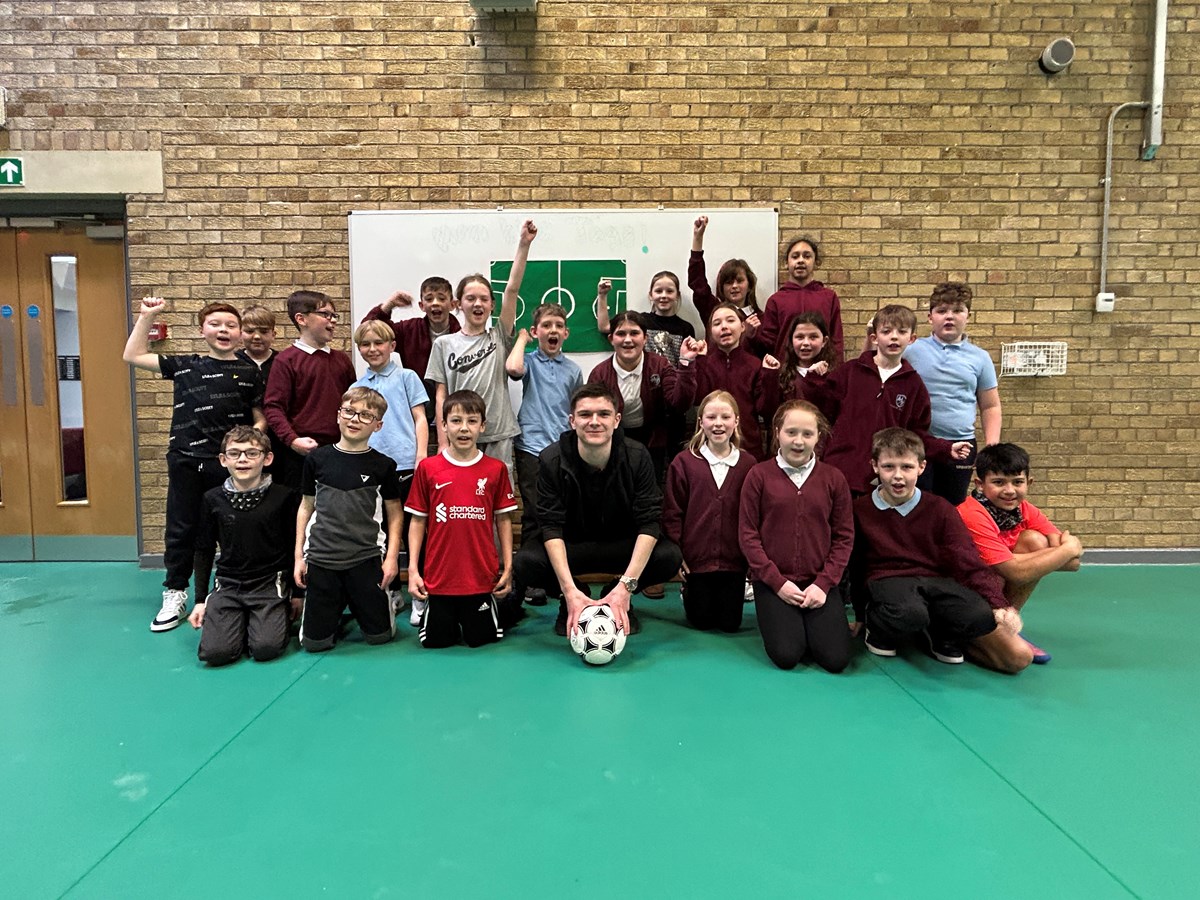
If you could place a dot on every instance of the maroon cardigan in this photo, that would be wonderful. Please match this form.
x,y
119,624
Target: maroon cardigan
x,y
861,405
702,518
304,391
739,373
791,300
804,536
413,340
812,387
662,387
930,542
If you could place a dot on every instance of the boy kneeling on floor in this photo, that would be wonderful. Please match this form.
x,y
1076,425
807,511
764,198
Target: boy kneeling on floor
x,y
916,571
253,520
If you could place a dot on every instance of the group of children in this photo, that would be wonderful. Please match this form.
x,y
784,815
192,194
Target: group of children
x,y
312,482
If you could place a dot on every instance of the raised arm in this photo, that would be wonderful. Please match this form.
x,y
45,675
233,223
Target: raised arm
x,y
508,306
702,296
137,348
515,364
602,289
383,312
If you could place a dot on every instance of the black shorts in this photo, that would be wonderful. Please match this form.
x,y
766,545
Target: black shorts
x,y
470,618
330,591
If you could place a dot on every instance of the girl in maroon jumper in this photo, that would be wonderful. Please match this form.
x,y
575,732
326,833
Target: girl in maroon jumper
x,y
800,293
797,532
801,375
736,284
700,513
723,364
646,385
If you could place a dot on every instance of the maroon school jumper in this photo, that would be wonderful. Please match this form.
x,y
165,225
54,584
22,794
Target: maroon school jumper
x,y
930,542
863,404
738,372
811,387
791,300
802,535
662,388
304,392
702,518
413,339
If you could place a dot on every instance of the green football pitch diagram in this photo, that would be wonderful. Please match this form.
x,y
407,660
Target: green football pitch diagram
x,y
571,283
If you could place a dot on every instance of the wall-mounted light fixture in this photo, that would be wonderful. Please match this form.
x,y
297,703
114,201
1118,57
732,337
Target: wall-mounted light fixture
x,y
1057,56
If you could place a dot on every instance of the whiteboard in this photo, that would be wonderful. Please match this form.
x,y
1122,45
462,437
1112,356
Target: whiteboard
x,y
394,250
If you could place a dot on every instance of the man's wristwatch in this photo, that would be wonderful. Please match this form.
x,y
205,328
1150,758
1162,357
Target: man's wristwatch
x,y
630,584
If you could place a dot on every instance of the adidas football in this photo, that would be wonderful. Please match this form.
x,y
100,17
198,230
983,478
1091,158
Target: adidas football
x,y
597,640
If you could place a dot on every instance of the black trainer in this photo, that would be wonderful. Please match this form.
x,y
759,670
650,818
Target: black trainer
x,y
560,623
535,597
943,650
509,610
878,646
635,624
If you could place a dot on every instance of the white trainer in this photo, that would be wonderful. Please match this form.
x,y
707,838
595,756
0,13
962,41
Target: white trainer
x,y
418,611
174,611
398,602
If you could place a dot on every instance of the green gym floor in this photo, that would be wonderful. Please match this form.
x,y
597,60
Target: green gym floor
x,y
690,767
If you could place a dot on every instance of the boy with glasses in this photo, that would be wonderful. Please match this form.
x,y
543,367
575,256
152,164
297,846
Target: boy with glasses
x,y
306,384
348,528
254,521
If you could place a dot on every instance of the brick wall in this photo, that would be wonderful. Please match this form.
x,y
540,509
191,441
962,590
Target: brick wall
x,y
918,140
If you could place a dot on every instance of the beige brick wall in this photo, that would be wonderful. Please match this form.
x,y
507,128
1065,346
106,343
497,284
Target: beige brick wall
x,y
918,140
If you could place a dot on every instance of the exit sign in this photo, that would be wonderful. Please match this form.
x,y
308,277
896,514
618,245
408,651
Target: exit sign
x,y
12,171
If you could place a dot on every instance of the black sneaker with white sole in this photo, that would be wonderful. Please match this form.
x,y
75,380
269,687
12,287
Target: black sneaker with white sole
x,y
879,646
944,651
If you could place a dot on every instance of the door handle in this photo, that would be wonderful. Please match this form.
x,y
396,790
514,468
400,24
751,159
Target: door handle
x,y
33,347
8,356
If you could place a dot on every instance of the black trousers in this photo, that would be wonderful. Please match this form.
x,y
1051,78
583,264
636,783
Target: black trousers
x,y
288,468
526,465
950,480
246,615
188,478
789,632
900,607
714,600
532,566
332,590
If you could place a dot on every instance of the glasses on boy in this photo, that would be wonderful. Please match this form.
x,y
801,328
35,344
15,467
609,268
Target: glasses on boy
x,y
251,455
367,418
325,314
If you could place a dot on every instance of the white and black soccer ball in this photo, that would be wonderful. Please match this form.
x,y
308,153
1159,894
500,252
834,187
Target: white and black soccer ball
x,y
597,640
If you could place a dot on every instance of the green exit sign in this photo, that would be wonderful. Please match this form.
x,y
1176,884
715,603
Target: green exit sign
x,y
12,171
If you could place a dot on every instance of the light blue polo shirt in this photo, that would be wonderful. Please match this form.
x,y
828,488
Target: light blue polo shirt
x,y
954,374
904,508
403,390
547,387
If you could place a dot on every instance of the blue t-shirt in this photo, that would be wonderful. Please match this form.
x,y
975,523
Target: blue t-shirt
x,y
548,385
403,390
954,374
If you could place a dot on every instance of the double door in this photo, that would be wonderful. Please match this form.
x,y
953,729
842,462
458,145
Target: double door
x,y
67,489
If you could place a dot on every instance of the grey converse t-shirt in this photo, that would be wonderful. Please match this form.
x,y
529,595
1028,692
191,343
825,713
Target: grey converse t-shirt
x,y
466,362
